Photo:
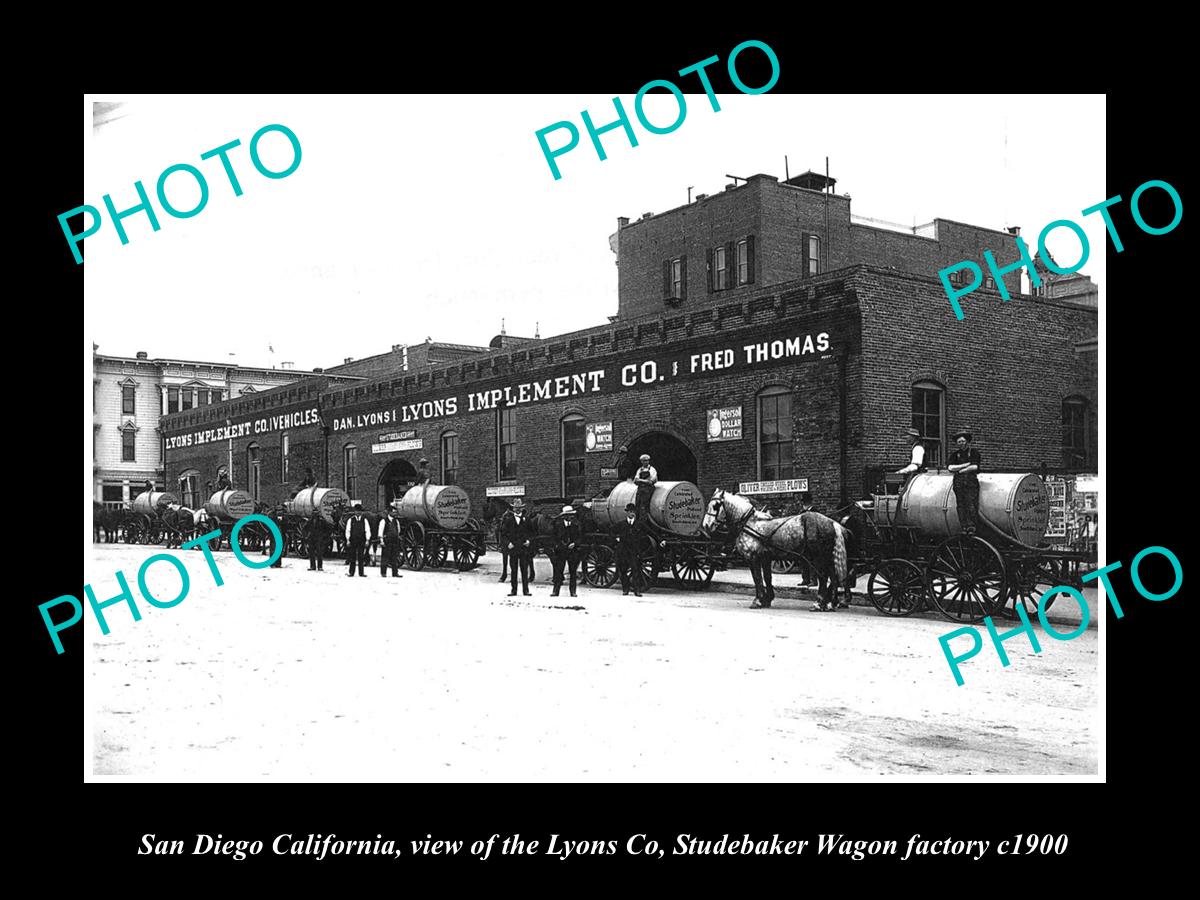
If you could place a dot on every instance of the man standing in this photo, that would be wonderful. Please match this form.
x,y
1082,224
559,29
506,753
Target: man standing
x,y
317,536
223,483
964,463
423,471
356,541
310,480
645,478
517,533
389,537
627,539
916,464
567,538
276,516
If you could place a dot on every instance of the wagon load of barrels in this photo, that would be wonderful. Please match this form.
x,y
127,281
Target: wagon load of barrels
x,y
1016,504
675,506
328,501
444,506
152,503
229,505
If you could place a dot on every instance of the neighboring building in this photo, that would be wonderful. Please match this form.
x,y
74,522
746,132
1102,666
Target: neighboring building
x,y
129,395
765,232
406,358
813,379
1074,287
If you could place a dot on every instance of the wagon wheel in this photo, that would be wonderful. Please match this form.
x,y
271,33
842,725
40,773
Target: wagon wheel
x,y
896,587
437,551
300,545
152,533
133,532
647,562
966,579
600,566
692,567
782,566
491,540
466,554
414,546
1028,580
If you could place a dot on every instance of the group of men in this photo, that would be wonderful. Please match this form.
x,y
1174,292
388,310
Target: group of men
x,y
964,463
519,539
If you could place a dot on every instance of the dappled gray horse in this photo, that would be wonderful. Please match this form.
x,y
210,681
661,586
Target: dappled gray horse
x,y
758,537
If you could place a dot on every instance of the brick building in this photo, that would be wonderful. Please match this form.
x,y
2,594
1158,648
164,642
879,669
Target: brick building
x,y
805,362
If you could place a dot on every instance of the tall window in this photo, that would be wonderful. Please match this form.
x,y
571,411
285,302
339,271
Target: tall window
x,y
1074,433
128,400
574,449
775,434
814,255
189,488
202,397
284,450
350,470
172,399
928,417
128,445
450,457
720,269
675,278
744,260
185,395
253,469
506,439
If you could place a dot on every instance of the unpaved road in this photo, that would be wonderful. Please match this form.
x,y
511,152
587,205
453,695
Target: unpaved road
x,y
287,674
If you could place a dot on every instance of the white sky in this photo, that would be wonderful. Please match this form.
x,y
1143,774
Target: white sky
x,y
415,216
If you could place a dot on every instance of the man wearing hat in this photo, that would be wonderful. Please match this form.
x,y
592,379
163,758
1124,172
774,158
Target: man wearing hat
x,y
964,463
357,529
916,464
645,478
423,471
389,537
806,501
517,535
567,538
627,537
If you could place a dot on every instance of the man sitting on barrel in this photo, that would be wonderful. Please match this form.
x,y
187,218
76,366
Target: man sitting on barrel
x,y
567,537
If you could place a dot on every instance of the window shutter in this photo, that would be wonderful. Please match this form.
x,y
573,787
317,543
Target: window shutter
x,y
683,277
805,239
711,273
666,278
750,260
730,265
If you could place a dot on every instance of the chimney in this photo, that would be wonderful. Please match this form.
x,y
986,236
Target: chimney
x,y
1014,229
347,360
622,221
142,354
286,365
318,370
647,215
700,197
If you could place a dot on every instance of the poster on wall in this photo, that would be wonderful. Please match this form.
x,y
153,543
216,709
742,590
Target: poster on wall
x,y
724,424
598,437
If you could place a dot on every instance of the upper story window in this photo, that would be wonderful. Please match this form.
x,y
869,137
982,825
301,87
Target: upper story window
x,y
743,262
284,452
172,399
720,269
675,280
775,434
506,440
814,255
1074,432
128,400
350,470
450,457
929,418
185,397
128,445
574,451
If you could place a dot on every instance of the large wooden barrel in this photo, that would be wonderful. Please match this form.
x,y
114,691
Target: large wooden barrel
x,y
231,504
327,501
1015,503
152,503
440,505
676,506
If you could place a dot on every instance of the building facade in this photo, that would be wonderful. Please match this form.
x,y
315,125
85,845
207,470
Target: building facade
x,y
811,381
129,395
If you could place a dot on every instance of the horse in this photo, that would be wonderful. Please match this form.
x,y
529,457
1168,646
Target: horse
x,y
821,540
104,520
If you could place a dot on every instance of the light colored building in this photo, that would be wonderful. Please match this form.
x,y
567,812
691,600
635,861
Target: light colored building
x,y
130,394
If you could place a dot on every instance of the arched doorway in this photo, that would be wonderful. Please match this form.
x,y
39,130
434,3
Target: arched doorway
x,y
396,478
671,457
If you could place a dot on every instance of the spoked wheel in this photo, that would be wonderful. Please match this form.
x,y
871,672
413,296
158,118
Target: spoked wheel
x,y
896,587
436,552
133,533
783,566
466,554
1028,580
600,566
692,568
647,562
414,547
966,579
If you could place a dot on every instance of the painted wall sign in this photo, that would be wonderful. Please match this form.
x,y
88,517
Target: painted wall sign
x,y
609,473
260,425
789,486
394,446
505,490
598,437
724,424
397,436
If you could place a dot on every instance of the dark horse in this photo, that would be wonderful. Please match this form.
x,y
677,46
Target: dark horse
x,y
816,538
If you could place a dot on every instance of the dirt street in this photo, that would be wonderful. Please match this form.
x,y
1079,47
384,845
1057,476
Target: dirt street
x,y
287,674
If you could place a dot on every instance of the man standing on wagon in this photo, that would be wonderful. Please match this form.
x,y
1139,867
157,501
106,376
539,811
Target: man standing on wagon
x,y
964,463
916,465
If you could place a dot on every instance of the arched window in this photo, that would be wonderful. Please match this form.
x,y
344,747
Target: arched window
x,y
350,470
1074,432
189,489
573,449
450,457
775,434
254,472
506,443
285,448
929,418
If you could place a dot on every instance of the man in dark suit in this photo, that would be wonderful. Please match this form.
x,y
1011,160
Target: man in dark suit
x,y
628,537
357,535
317,536
567,539
518,535
389,536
